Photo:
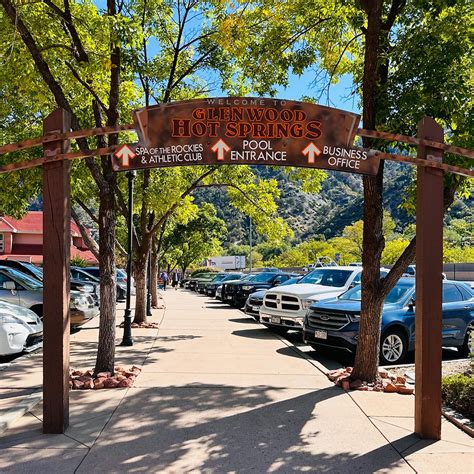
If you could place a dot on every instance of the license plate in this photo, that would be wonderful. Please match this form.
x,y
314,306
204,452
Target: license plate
x,y
320,334
275,320
256,308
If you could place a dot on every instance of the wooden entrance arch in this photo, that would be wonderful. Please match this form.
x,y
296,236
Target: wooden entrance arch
x,y
295,134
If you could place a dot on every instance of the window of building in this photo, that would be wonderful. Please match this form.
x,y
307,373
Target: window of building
x,y
2,243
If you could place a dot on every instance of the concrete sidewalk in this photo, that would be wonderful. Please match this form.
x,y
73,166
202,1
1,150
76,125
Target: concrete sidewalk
x,y
219,393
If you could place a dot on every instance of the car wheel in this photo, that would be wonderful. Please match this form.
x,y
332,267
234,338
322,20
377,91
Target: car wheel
x,y
393,347
467,347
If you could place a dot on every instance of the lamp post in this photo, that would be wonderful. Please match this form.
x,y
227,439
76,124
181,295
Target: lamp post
x,y
127,320
250,239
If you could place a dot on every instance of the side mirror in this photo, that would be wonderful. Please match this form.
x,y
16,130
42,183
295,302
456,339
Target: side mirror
x,y
9,285
411,304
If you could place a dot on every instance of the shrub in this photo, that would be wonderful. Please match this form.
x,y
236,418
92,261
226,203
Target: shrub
x,y
205,270
458,392
77,261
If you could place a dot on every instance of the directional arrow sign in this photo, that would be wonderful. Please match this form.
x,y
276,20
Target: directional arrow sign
x,y
221,148
312,151
125,153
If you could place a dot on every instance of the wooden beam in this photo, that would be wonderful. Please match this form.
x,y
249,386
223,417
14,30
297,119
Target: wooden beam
x,y
89,132
396,137
56,256
429,267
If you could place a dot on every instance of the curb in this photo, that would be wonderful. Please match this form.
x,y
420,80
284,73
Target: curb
x,y
458,420
9,417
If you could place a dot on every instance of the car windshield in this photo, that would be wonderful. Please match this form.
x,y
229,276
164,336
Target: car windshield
x,y
263,277
327,277
121,273
291,281
397,293
93,271
28,282
38,273
84,276
232,276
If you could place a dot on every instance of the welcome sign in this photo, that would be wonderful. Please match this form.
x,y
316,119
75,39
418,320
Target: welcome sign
x,y
251,131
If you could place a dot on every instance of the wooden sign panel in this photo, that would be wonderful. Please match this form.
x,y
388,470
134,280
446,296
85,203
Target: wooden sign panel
x,y
246,131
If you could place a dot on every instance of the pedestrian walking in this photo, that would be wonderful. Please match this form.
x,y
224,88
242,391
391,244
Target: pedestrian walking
x,y
175,279
164,277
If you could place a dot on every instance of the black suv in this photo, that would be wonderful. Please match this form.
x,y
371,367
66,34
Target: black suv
x,y
236,293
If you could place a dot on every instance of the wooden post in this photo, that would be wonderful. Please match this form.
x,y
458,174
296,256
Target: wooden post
x,y
56,255
429,267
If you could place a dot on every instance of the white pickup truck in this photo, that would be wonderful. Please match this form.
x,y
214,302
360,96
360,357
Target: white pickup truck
x,y
284,307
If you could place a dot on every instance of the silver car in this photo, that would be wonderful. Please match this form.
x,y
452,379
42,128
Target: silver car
x,y
20,289
20,329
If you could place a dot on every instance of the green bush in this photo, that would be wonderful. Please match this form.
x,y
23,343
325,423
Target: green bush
x,y
458,393
205,270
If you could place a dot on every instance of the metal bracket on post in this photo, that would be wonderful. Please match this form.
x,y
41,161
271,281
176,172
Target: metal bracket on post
x,y
56,256
429,267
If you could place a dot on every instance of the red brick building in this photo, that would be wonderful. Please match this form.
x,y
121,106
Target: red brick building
x,y
23,239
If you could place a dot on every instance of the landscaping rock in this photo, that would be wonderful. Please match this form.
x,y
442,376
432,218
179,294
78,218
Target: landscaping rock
x,y
401,380
383,373
404,390
389,387
110,382
345,385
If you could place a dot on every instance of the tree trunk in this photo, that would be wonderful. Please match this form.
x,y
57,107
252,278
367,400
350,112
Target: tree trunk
x,y
140,266
106,348
367,354
154,274
140,288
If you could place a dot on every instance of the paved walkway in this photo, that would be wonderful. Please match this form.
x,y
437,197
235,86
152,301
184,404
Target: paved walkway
x,y
220,393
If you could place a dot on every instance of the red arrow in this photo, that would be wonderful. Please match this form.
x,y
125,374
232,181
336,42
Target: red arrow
x,y
125,153
312,151
221,148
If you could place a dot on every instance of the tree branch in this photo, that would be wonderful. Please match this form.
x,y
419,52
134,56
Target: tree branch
x,y
78,50
183,195
86,237
86,85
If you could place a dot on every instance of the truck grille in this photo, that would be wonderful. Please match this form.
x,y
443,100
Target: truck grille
x,y
284,302
327,321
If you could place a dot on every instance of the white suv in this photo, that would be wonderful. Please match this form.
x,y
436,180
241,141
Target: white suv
x,y
285,307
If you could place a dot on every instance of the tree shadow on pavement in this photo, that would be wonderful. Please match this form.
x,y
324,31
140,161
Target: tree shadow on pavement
x,y
221,429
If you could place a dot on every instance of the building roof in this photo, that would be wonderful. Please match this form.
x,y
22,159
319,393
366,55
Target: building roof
x,y
33,253
30,223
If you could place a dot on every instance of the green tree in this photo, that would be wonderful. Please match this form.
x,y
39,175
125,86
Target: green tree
x,y
189,243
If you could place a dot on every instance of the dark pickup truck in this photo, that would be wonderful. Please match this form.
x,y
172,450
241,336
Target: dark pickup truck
x,y
236,293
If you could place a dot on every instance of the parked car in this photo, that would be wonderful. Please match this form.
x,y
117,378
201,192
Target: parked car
x,y
21,330
236,293
192,283
201,283
21,289
210,288
121,278
335,322
284,308
221,290
255,300
37,272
